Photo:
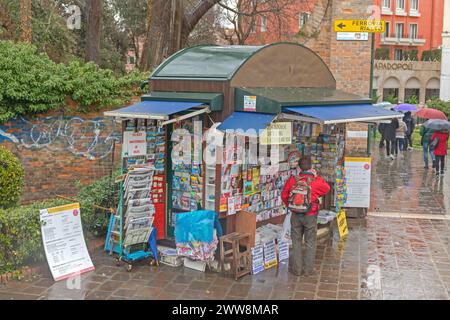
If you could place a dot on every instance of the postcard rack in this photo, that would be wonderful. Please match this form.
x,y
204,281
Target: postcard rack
x,y
131,233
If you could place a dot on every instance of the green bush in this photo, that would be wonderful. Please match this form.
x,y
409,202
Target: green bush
x,y
20,235
104,193
440,105
412,100
11,179
411,55
382,54
432,55
31,83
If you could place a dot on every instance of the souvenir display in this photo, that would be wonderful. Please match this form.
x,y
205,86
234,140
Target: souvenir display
x,y
187,178
340,188
326,150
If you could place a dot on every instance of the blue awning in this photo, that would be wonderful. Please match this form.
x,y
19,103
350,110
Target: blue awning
x,y
345,113
159,110
248,122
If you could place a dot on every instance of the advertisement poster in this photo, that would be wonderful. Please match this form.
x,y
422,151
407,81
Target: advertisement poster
x,y
250,103
223,204
257,259
358,175
64,244
342,223
283,251
277,133
231,206
270,255
134,143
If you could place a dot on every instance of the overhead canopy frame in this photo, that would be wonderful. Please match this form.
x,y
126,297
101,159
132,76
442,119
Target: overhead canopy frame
x,y
335,114
160,110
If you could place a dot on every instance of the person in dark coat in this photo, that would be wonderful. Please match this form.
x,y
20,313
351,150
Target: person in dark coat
x,y
411,125
390,137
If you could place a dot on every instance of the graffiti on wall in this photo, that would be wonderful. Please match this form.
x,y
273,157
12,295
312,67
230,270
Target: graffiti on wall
x,y
90,138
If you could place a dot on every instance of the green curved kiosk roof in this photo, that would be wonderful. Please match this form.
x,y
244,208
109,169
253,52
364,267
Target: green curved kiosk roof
x,y
205,62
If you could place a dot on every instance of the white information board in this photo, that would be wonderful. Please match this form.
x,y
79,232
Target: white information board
x,y
64,243
358,175
352,36
257,259
134,143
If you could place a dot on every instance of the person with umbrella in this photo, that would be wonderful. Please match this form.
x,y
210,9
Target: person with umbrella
x,y
411,125
389,136
425,141
439,142
436,119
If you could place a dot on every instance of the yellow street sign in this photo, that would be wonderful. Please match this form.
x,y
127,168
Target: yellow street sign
x,y
373,26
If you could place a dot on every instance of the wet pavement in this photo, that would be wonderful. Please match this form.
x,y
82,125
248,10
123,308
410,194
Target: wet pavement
x,y
403,185
382,258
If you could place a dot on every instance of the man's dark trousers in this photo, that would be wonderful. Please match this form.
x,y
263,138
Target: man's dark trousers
x,y
303,225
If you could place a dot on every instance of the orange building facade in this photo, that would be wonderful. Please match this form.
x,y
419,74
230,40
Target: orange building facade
x,y
410,25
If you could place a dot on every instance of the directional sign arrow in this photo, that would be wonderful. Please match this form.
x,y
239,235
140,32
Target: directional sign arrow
x,y
341,25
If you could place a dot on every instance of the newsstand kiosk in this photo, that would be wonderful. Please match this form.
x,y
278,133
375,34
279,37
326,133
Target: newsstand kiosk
x,y
277,97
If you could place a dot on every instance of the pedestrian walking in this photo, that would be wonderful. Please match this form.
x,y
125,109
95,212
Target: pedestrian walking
x,y
440,150
411,125
400,135
389,137
301,195
425,141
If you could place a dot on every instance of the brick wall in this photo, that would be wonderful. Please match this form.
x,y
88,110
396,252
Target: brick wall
x,y
356,147
57,151
349,61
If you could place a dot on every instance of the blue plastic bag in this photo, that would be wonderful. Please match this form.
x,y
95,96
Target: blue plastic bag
x,y
196,226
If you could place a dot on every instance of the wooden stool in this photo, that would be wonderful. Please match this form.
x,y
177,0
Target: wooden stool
x,y
241,262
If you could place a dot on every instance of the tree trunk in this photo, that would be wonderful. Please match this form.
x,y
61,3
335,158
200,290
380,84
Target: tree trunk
x,y
25,21
93,32
6,23
170,28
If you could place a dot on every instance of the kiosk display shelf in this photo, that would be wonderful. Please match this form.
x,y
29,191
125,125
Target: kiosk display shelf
x,y
132,234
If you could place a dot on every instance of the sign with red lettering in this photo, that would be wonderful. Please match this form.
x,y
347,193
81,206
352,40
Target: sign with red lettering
x,y
134,144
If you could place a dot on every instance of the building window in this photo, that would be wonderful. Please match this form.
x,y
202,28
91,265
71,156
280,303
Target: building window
x,y
398,54
388,30
414,5
400,5
252,27
263,24
303,19
413,30
410,93
399,27
386,4
431,94
390,94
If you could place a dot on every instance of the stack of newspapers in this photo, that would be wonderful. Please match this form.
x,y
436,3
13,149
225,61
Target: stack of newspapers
x,y
138,206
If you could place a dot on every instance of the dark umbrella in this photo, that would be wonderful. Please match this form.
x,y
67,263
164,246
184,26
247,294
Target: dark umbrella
x,y
437,125
430,113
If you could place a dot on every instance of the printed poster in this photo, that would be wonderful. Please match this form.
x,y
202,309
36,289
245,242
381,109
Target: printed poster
x,y
342,223
250,103
64,244
278,133
283,250
231,206
358,175
257,259
134,143
270,255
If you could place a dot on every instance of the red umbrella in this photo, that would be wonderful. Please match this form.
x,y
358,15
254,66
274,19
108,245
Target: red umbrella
x,y
430,113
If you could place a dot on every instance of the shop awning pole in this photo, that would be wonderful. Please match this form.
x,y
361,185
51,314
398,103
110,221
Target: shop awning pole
x,y
186,116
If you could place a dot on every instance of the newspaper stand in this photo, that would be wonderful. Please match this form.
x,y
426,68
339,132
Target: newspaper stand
x,y
131,234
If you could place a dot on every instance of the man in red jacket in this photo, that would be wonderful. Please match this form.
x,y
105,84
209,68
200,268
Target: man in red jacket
x,y
305,224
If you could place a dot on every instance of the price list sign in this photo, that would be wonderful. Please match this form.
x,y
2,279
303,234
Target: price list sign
x,y
64,244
